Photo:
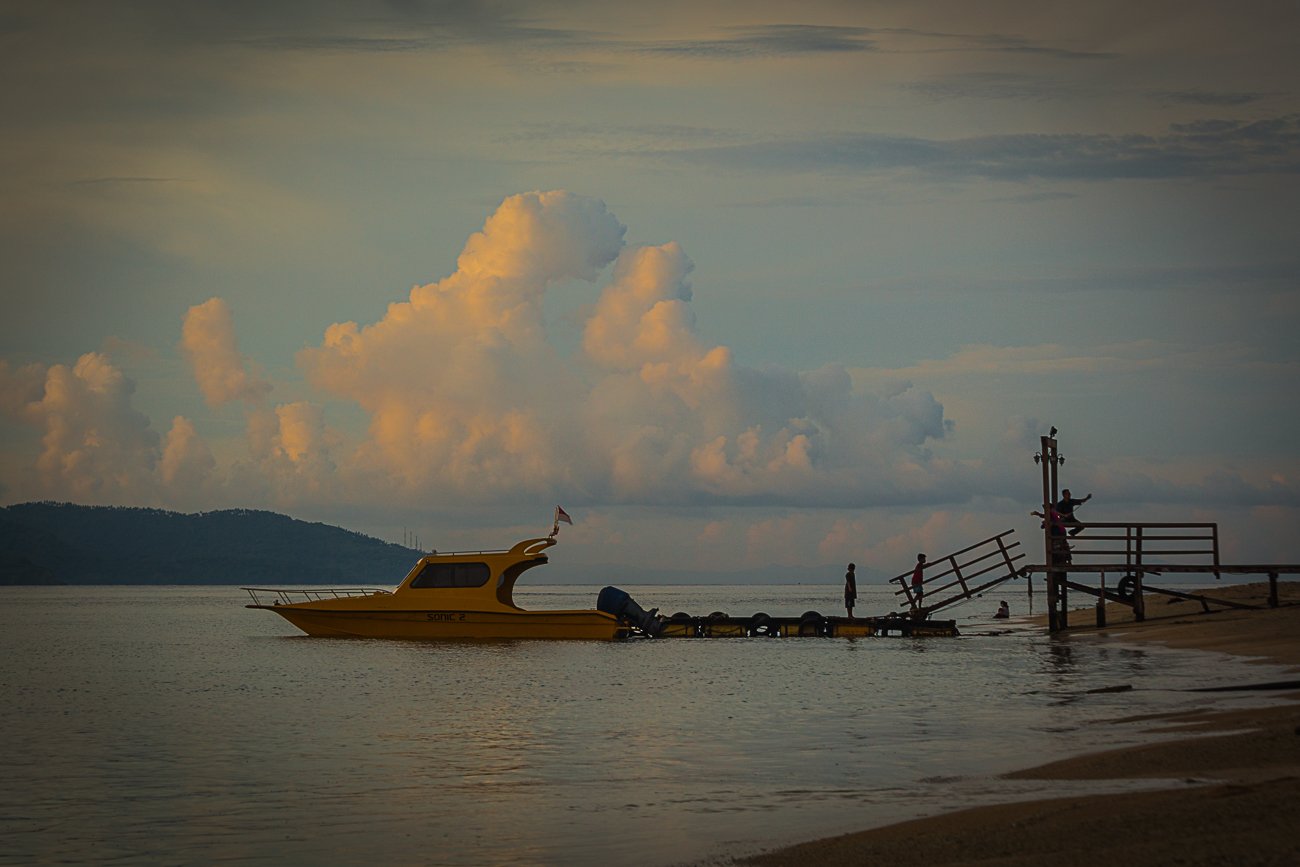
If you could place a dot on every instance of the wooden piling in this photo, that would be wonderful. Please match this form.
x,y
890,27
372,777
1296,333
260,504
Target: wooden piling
x,y
1047,460
1101,604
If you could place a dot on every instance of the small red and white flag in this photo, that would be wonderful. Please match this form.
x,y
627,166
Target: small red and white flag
x,y
560,515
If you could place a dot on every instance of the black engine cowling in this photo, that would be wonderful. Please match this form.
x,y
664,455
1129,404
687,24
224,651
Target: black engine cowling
x,y
618,603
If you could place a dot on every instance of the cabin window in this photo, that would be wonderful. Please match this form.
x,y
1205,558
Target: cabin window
x,y
452,575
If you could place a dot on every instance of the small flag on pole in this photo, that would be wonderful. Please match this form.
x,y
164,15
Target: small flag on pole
x,y
560,515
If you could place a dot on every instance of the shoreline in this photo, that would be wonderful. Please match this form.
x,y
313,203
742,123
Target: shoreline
x,y
1234,782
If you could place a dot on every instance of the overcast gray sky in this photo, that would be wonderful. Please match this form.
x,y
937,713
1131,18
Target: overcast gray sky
x,y
738,284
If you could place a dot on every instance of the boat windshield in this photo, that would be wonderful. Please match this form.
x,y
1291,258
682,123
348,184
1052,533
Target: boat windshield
x,y
452,575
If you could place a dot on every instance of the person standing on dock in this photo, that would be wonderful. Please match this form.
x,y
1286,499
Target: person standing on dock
x,y
918,579
850,590
1066,508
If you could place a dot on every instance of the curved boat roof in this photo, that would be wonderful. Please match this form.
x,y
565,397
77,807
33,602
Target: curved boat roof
x,y
478,579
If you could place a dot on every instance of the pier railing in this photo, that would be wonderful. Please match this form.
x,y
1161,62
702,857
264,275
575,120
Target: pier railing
x,y
1133,551
1130,546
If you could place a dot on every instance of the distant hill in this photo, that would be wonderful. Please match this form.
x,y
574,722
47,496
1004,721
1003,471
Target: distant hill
x,y
62,543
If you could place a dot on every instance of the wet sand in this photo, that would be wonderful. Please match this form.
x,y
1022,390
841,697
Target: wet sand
x,y
1234,790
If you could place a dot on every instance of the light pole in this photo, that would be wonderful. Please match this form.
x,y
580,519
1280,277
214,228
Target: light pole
x,y
1049,459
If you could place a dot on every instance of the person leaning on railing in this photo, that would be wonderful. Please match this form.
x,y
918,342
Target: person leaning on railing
x,y
1060,547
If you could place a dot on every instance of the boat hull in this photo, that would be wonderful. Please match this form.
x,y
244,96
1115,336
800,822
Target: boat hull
x,y
434,625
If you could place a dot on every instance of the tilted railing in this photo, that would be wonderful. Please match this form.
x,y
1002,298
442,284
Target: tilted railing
x,y
956,573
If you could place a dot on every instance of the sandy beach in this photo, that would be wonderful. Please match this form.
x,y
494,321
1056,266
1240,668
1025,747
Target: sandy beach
x,y
1234,795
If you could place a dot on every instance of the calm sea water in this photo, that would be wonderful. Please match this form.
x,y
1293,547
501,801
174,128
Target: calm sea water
x,y
169,725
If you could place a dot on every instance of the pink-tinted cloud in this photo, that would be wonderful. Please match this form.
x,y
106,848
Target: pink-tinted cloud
x,y
208,341
460,382
95,445
187,463
466,391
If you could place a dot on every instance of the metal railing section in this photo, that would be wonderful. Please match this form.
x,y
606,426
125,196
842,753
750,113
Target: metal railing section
x,y
276,596
956,573
1135,545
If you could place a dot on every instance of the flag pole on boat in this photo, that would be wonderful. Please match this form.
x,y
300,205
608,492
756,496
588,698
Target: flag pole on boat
x,y
560,515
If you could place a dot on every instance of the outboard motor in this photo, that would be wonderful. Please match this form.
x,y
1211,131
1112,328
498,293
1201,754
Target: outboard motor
x,y
616,602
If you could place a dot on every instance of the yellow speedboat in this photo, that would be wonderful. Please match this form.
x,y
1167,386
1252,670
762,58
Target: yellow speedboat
x,y
470,595
465,594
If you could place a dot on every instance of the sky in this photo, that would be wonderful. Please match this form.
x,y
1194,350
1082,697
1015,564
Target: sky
x,y
751,289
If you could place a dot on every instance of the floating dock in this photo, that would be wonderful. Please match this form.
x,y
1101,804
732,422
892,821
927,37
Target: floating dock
x,y
809,625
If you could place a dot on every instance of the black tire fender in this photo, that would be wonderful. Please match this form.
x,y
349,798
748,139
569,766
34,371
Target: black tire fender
x,y
812,623
761,624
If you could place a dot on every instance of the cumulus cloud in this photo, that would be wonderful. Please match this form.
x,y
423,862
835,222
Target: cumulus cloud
x,y
460,382
208,341
470,400
187,462
20,386
467,396
95,445
290,460
465,389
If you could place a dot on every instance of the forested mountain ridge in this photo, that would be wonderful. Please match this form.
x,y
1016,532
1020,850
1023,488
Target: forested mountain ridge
x,y
63,543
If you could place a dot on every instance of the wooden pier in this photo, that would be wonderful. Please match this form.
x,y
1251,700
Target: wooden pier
x,y
1128,551
1132,551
